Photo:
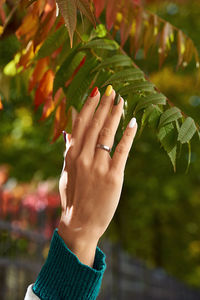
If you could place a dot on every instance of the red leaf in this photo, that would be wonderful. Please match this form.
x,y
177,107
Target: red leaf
x,y
68,9
111,11
2,12
138,29
126,23
44,89
38,73
99,6
84,7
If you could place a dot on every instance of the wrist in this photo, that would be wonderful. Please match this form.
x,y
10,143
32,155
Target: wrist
x,y
84,247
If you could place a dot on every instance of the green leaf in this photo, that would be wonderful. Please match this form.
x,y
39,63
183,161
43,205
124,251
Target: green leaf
x,y
117,60
187,130
65,71
84,7
189,157
154,117
125,76
68,10
170,115
101,44
151,99
77,92
143,86
53,42
167,135
9,46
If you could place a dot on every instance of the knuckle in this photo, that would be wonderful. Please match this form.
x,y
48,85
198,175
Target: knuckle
x,y
128,133
95,123
77,121
89,102
99,171
82,163
106,132
112,178
121,149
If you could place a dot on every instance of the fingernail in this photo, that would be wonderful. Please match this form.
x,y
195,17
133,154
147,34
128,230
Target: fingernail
x,y
108,90
117,98
132,123
94,92
64,136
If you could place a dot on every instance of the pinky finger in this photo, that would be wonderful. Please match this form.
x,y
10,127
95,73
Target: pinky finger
x,y
122,150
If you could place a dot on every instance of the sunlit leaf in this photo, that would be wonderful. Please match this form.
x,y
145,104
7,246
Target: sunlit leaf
x,y
170,115
187,130
180,47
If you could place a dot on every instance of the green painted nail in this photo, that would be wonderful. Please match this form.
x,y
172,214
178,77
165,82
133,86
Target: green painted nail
x,y
117,98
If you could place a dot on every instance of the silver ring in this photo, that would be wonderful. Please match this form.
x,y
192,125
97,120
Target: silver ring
x,y
104,147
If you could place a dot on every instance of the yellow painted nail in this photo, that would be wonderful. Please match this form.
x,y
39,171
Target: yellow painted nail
x,y
108,90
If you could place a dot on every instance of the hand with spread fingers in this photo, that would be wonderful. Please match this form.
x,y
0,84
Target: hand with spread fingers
x,y
91,181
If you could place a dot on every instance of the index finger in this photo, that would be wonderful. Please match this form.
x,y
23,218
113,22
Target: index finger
x,y
122,150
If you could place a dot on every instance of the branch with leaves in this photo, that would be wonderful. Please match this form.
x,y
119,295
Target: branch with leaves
x,y
63,76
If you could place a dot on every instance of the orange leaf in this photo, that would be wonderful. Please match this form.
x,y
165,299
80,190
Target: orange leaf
x,y
48,107
45,27
61,119
38,73
26,58
28,28
44,89
1,105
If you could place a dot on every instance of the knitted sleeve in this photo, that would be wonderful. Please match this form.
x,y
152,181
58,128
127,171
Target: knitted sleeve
x,y
63,276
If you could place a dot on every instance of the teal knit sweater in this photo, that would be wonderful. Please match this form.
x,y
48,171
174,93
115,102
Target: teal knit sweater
x,y
63,276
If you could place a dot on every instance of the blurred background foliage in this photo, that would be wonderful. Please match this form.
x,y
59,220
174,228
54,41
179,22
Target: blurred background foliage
x,y
157,218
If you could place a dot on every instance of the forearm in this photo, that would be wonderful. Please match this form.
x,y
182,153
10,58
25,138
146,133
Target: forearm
x,y
84,248
64,276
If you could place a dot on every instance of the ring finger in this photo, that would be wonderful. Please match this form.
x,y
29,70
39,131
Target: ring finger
x,y
107,133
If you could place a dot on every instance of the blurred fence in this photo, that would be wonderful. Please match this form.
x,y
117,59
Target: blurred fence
x,y
125,278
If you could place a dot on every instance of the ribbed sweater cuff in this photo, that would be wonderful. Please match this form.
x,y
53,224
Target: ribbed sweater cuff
x,y
63,276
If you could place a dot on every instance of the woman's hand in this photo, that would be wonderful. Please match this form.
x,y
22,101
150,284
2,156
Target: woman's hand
x,y
93,180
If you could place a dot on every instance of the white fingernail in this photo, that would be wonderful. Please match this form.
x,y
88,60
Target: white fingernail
x,y
132,123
